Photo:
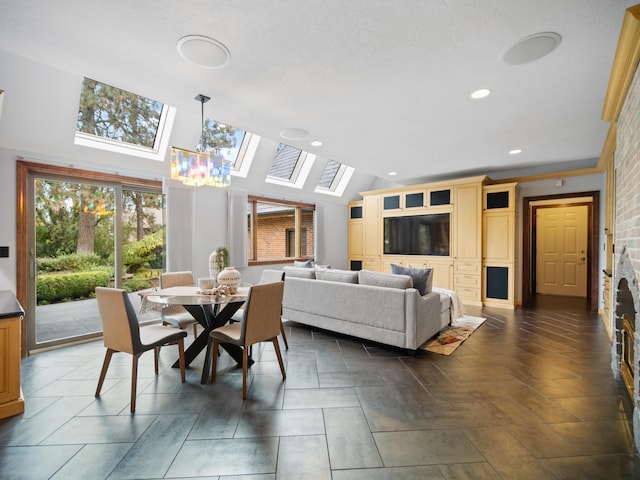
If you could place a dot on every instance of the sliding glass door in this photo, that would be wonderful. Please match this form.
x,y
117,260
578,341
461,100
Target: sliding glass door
x,y
83,234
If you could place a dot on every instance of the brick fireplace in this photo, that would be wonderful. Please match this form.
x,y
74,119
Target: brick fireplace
x,y
626,239
625,352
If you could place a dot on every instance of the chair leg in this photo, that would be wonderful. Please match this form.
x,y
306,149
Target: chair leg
x,y
276,346
134,381
181,358
245,361
284,335
195,330
156,354
105,366
214,358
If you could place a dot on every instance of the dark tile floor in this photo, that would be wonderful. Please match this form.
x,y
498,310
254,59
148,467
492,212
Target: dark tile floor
x,y
530,395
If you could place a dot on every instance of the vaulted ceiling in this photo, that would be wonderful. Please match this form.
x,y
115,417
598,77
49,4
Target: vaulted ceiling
x,y
384,85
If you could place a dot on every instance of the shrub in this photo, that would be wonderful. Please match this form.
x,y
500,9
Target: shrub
x,y
57,287
74,262
143,252
135,284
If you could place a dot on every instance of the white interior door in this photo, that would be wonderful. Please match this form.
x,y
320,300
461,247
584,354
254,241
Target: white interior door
x,y
561,250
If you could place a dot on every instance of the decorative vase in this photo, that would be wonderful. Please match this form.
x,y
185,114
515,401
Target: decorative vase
x,y
230,277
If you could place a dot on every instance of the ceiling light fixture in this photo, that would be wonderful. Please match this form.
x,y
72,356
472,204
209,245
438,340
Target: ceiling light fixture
x,y
316,143
203,51
532,48
392,174
482,93
294,133
515,151
201,167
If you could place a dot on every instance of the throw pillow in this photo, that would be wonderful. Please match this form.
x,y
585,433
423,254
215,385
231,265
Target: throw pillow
x,y
306,264
422,277
298,272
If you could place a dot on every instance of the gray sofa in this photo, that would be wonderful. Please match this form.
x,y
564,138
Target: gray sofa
x,y
380,307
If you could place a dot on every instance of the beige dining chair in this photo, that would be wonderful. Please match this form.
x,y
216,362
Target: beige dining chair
x,y
176,315
260,323
267,276
122,333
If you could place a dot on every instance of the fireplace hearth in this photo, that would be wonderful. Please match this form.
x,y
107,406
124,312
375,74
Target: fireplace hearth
x,y
626,342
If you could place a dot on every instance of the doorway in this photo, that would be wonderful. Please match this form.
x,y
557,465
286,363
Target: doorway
x,y
573,263
77,230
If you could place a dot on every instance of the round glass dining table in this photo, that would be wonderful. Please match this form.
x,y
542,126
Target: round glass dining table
x,y
210,311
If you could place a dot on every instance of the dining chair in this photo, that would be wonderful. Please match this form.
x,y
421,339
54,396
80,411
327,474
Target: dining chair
x,y
176,315
122,333
260,323
267,276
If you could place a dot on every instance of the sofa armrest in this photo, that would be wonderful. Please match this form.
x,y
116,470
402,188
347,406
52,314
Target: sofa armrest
x,y
423,317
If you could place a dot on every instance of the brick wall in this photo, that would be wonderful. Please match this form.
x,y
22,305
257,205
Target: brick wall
x,y
272,235
627,174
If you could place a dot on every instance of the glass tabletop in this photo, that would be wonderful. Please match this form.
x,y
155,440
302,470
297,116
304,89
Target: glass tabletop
x,y
195,299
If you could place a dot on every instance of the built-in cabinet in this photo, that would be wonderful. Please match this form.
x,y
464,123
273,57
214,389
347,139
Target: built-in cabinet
x,y
480,262
499,244
11,313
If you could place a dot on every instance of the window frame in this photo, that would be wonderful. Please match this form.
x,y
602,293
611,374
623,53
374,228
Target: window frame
x,y
252,220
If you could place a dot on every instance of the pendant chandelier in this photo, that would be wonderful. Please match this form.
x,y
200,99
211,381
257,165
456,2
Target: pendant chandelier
x,y
200,167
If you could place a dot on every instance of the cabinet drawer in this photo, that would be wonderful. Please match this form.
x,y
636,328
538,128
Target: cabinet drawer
x,y
470,268
472,294
467,281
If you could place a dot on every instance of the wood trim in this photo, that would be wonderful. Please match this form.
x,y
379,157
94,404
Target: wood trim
x,y
624,66
23,170
528,255
255,198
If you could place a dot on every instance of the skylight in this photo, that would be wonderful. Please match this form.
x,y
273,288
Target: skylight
x,y
335,178
116,120
290,166
235,145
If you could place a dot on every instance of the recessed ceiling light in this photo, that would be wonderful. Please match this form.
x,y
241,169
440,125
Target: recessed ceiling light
x,y
391,174
532,48
482,93
203,51
294,133
515,151
316,143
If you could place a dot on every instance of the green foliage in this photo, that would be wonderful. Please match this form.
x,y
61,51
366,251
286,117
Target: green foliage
x,y
135,284
146,252
74,262
57,287
222,258
110,112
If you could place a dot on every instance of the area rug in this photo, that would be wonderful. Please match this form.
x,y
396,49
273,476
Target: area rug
x,y
453,336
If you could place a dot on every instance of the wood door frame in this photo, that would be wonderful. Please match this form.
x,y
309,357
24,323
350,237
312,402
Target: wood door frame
x,y
24,169
528,243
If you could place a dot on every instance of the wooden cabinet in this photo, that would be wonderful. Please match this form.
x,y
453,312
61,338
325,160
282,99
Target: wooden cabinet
x,y
372,234
11,313
499,244
481,260
356,230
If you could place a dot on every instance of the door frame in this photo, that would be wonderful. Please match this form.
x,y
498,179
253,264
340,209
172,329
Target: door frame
x,y
24,171
528,243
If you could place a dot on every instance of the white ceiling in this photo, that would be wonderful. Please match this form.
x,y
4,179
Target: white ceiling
x,y
383,84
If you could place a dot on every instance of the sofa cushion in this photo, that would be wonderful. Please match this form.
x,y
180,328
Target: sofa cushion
x,y
336,275
299,272
422,277
379,279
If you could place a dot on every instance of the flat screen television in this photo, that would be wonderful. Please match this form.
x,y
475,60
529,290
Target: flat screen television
x,y
417,234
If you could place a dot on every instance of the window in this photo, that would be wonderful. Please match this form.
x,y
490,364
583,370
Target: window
x,y
113,119
334,179
232,143
279,230
290,166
